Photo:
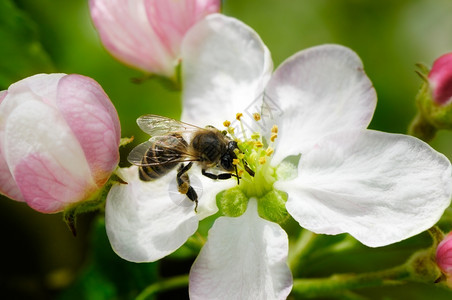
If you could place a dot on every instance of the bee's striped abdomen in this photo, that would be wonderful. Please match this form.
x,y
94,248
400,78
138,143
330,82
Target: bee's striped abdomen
x,y
162,157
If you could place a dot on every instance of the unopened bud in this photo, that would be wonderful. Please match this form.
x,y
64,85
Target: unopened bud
x,y
440,79
434,100
444,257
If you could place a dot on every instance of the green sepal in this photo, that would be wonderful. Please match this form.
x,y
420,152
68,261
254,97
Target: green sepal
x,y
125,141
439,116
422,265
95,203
272,206
70,213
232,202
423,268
431,116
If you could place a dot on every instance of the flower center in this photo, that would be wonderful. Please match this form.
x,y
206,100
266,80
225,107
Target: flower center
x,y
257,175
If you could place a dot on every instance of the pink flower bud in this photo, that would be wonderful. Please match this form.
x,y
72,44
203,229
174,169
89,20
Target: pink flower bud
x,y
444,256
147,34
59,139
440,78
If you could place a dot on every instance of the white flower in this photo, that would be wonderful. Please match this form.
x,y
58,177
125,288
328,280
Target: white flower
x,y
379,187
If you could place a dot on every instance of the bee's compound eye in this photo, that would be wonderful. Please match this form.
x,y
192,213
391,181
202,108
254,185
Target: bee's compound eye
x,y
226,163
232,145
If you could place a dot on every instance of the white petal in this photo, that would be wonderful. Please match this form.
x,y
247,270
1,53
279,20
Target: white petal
x,y
225,68
244,258
316,92
209,190
8,186
143,222
36,128
379,187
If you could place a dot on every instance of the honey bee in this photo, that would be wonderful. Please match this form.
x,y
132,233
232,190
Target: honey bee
x,y
174,143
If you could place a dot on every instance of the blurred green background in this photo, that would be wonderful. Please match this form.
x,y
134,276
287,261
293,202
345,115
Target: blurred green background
x,y
40,257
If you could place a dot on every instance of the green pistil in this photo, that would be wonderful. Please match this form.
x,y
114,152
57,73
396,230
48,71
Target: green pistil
x,y
264,177
255,155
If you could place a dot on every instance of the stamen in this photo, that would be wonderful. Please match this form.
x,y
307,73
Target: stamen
x,y
226,123
273,137
239,116
240,156
240,172
235,161
256,116
262,160
275,129
255,136
269,151
231,130
259,144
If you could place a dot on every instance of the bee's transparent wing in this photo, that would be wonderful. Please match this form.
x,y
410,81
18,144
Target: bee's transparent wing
x,y
136,155
155,125
162,152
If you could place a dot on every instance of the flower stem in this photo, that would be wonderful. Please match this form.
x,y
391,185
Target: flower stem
x,y
437,236
164,285
306,288
421,128
302,247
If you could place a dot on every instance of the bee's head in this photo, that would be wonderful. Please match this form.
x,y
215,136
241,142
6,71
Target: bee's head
x,y
227,159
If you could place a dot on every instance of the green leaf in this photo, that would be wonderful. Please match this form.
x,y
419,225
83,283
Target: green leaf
x,y
21,53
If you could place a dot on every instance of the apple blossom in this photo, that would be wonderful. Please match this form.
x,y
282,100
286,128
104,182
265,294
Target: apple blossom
x,y
444,257
434,99
147,34
312,156
59,139
440,78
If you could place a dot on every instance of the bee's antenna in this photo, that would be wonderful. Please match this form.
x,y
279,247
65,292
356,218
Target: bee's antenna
x,y
248,169
237,174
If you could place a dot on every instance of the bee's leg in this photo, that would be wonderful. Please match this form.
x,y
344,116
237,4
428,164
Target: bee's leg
x,y
248,169
193,196
220,176
183,183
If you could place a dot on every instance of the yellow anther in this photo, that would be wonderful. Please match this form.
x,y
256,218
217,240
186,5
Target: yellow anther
x,y
275,129
235,161
238,116
255,136
258,144
226,123
231,130
262,160
269,151
240,156
273,137
256,116
240,172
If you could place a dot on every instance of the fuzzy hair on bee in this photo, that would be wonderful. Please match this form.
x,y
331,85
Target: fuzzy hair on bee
x,y
174,143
